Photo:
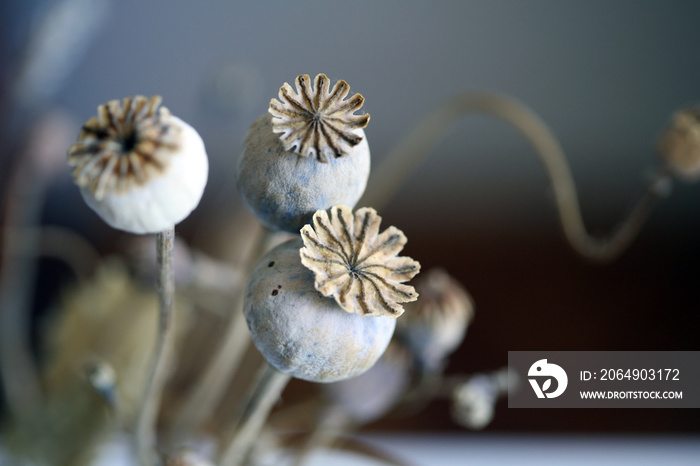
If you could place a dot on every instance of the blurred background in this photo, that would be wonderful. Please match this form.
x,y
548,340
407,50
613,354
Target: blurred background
x,y
606,76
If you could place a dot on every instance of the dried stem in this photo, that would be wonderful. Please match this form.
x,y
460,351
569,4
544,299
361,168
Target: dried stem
x,y
333,424
145,431
259,402
211,387
410,152
18,370
36,162
71,248
18,268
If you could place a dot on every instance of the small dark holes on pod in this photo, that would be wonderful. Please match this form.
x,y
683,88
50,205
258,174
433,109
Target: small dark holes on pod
x,y
275,292
271,263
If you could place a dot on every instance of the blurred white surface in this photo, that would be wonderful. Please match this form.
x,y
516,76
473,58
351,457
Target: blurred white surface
x,y
493,450
459,449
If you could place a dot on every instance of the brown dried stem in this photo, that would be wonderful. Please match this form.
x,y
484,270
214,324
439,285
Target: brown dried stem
x,y
406,157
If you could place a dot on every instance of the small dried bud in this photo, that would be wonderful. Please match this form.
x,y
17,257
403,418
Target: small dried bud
x,y
680,144
474,400
435,325
140,168
357,265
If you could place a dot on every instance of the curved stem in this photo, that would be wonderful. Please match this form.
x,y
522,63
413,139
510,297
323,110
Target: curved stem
x,y
71,248
145,431
411,151
36,163
25,196
259,402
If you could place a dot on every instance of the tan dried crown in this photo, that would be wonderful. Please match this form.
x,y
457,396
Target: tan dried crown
x,y
316,122
356,264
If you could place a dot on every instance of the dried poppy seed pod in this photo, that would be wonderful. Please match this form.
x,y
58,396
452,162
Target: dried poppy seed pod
x,y
302,333
320,159
680,144
140,168
436,324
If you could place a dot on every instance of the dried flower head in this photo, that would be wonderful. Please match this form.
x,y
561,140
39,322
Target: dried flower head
x,y
126,144
140,168
316,122
473,402
680,144
436,325
443,298
356,264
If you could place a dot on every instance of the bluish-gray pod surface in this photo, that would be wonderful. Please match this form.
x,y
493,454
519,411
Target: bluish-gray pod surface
x,y
284,189
302,333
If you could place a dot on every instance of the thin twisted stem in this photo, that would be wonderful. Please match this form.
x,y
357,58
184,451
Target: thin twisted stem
x,y
410,152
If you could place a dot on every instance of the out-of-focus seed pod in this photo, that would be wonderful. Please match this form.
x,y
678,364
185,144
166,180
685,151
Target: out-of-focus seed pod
x,y
435,325
680,144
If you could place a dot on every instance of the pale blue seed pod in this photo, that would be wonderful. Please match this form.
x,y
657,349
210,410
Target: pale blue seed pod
x,y
302,333
140,168
309,153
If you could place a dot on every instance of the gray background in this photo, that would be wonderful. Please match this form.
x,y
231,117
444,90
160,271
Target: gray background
x,y
605,75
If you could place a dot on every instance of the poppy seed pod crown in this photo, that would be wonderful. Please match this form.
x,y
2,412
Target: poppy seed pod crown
x,y
140,168
309,153
323,307
302,333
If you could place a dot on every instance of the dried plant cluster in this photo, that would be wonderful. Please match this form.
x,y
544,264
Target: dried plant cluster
x,y
321,306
